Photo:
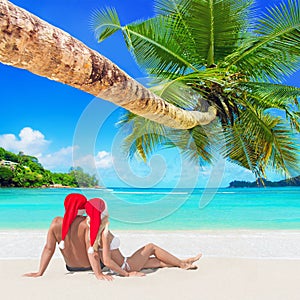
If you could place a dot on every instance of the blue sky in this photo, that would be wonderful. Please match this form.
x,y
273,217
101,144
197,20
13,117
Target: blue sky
x,y
42,117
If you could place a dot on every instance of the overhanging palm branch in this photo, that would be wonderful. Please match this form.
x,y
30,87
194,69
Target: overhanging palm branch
x,y
216,52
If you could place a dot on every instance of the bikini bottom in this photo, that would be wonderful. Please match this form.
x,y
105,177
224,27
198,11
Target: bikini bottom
x,y
125,266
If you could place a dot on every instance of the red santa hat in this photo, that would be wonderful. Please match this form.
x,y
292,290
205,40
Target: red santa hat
x,y
74,206
96,209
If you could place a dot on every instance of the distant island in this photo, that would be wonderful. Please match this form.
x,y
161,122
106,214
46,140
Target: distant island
x,y
20,170
294,181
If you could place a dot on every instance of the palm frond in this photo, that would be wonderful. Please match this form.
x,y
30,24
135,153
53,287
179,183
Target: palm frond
x,y
195,144
105,22
284,152
177,93
176,12
207,30
154,47
238,150
150,41
204,142
143,136
275,96
170,7
217,27
260,140
274,49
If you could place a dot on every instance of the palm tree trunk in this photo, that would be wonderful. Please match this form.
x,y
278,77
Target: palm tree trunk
x,y
30,43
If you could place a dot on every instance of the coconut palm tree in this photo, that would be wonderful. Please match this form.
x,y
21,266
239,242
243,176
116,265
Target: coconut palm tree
x,y
30,43
201,53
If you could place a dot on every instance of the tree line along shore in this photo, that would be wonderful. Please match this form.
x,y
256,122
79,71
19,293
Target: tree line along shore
x,y
20,170
261,182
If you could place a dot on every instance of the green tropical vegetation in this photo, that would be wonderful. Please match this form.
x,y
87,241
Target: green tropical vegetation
x,y
199,53
295,181
20,170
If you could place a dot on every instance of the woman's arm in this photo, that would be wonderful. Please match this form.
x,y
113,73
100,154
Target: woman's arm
x,y
95,262
47,253
107,259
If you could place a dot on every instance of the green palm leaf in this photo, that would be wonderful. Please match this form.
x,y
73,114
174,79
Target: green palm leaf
x,y
274,50
148,41
145,137
216,27
260,140
211,28
105,22
154,47
266,95
280,94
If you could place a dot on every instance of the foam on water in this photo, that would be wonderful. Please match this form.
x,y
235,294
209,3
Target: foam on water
x,y
221,243
150,193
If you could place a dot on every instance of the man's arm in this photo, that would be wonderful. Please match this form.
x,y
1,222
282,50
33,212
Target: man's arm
x,y
47,253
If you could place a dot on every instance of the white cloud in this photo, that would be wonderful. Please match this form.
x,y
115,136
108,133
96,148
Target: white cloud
x,y
103,160
58,161
31,142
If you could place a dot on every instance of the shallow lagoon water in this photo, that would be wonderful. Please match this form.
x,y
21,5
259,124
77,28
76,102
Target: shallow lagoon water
x,y
161,209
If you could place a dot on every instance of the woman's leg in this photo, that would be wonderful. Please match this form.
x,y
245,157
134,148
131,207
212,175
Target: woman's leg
x,y
154,263
142,259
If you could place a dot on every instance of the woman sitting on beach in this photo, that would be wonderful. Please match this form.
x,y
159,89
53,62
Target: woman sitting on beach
x,y
84,241
107,245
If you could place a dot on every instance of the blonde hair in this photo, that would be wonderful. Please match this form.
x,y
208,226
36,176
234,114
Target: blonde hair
x,y
98,240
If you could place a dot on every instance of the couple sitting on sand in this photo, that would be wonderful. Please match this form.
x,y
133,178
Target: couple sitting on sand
x,y
87,244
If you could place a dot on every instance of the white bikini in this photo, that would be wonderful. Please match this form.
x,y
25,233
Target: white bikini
x,y
115,243
125,266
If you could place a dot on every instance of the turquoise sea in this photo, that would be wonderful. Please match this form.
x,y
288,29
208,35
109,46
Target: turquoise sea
x,y
161,209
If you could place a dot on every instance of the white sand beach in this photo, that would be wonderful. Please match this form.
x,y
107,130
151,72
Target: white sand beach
x,y
242,264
